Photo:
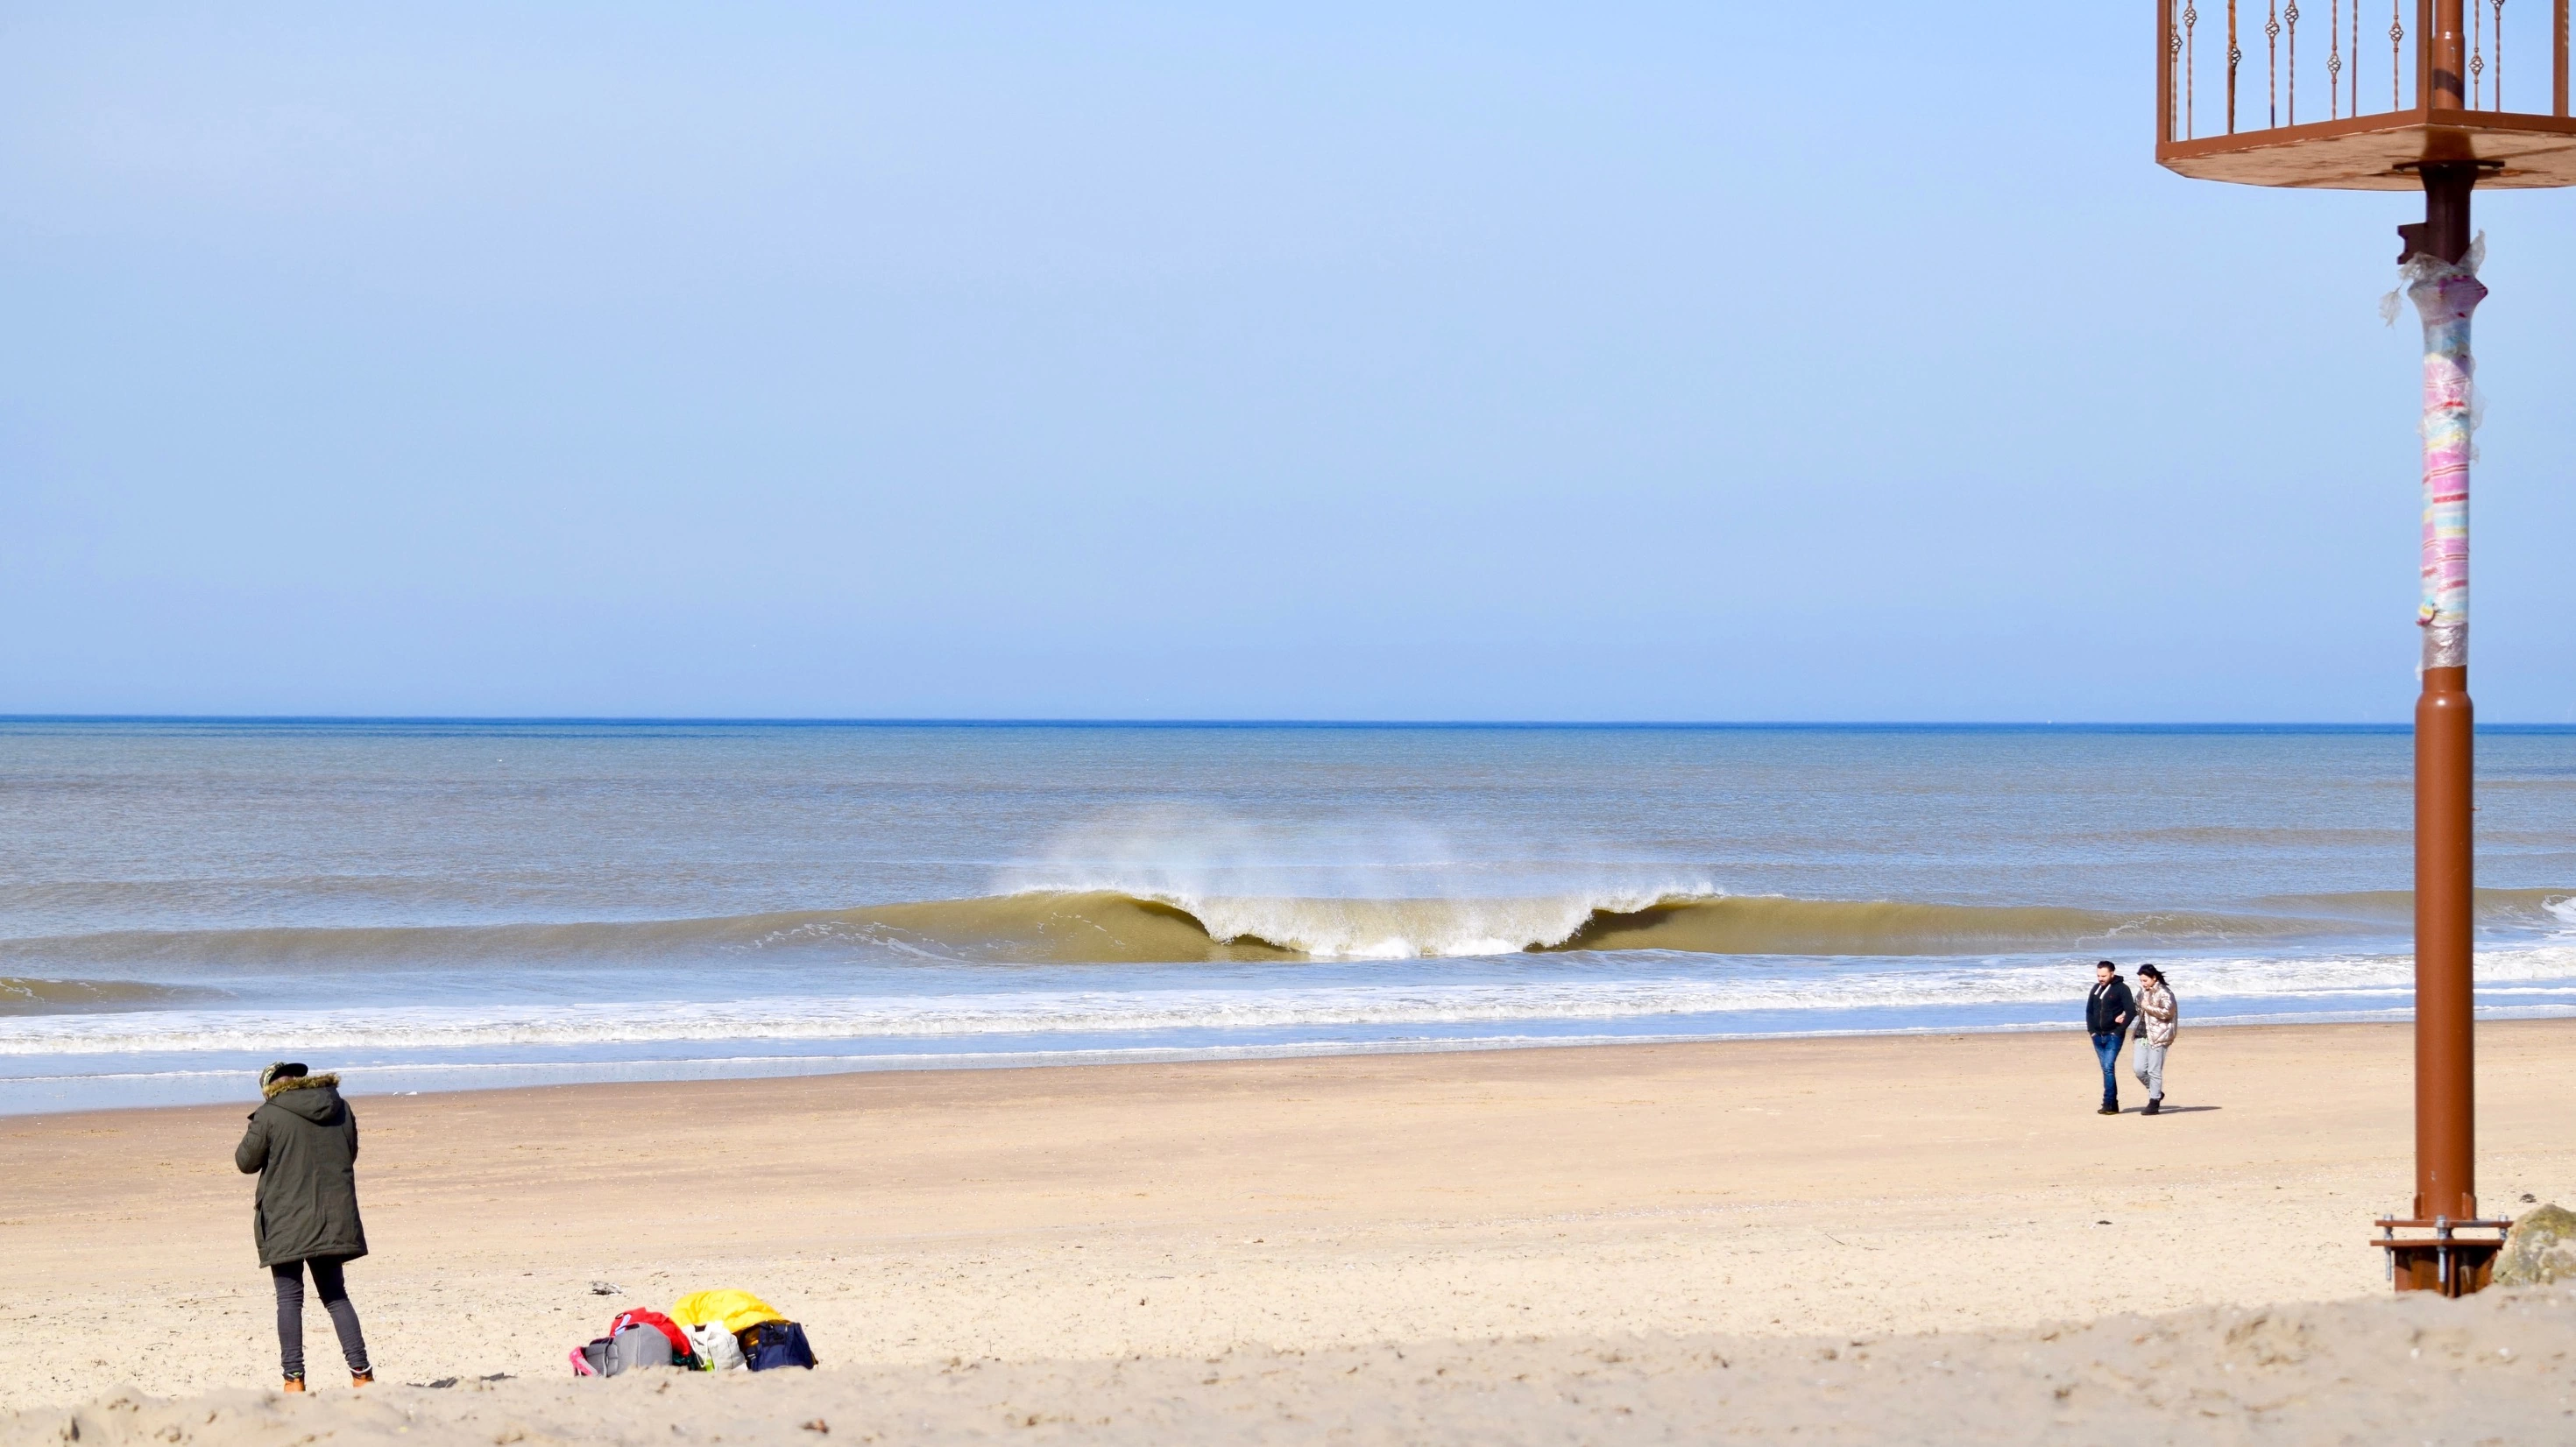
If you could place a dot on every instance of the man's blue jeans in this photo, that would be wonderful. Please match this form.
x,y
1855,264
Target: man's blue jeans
x,y
2106,1045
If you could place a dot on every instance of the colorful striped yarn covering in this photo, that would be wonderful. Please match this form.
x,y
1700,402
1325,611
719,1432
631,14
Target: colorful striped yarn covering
x,y
2444,296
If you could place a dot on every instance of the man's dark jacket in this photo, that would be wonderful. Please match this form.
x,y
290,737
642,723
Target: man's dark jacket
x,y
303,1142
2109,1002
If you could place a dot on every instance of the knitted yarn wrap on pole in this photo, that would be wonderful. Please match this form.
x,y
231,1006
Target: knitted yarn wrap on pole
x,y
2445,295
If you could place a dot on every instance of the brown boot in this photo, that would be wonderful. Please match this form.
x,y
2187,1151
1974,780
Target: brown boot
x,y
293,1384
363,1379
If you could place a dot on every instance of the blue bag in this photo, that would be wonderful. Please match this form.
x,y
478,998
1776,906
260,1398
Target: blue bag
x,y
776,1344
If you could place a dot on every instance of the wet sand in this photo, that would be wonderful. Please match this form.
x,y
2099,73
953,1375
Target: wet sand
x,y
1551,1200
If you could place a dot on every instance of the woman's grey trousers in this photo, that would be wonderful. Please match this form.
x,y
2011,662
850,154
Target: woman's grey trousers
x,y
2149,1064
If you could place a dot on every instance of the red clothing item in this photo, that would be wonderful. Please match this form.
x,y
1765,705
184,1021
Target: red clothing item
x,y
640,1317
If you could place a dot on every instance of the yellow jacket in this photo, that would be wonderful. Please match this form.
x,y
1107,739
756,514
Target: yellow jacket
x,y
740,1311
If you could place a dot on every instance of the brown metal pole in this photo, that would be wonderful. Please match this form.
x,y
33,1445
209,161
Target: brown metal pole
x,y
2445,1082
2444,234
2558,59
2166,42
2450,65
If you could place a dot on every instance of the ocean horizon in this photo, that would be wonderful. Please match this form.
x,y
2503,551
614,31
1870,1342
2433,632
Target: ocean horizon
x,y
1647,725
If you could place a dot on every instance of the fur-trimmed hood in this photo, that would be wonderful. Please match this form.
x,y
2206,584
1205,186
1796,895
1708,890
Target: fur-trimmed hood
x,y
285,1083
314,1097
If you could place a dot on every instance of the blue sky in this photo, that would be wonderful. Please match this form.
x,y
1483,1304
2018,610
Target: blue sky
x,y
1318,361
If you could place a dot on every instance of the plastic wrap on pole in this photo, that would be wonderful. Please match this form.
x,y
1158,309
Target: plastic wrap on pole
x,y
2445,295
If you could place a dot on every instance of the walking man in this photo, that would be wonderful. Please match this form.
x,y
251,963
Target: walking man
x,y
2107,1014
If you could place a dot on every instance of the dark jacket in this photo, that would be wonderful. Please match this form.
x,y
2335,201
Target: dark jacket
x,y
303,1142
2108,1003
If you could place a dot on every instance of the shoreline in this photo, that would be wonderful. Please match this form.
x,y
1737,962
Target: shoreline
x,y
1872,1185
744,1068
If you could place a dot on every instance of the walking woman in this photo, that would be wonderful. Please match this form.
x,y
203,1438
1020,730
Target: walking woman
x,y
2158,1017
303,1145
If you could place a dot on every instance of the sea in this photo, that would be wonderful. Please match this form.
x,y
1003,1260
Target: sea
x,y
442,905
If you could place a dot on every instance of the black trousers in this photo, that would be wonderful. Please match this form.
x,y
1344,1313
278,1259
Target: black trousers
x,y
334,1291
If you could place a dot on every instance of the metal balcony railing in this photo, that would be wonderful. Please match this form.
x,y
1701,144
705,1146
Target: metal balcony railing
x,y
2357,93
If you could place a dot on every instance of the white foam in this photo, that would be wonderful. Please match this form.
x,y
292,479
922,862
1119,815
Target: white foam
x,y
2362,979
1360,889
1397,929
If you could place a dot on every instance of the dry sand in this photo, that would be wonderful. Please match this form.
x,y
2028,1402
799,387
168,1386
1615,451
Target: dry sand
x,y
1513,1217
2495,1369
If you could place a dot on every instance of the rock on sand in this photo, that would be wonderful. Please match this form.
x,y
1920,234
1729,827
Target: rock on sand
x,y
2541,1250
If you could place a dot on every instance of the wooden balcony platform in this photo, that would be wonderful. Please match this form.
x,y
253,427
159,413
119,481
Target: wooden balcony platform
x,y
2381,152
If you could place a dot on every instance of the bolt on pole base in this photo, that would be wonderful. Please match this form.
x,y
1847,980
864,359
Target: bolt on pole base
x,y
2451,1265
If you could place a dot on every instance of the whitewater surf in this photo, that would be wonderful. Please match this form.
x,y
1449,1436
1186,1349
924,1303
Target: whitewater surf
x,y
441,905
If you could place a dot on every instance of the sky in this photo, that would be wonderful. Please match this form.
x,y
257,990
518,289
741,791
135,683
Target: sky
x,y
1621,361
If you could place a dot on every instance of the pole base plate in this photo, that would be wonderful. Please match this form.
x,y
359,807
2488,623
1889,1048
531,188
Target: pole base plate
x,y
2445,1263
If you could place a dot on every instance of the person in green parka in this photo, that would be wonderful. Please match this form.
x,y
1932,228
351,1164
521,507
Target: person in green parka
x,y
303,1146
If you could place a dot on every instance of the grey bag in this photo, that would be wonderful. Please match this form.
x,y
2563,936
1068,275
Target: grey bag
x,y
637,1346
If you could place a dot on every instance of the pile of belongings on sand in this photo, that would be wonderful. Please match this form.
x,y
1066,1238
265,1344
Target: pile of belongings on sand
x,y
707,1331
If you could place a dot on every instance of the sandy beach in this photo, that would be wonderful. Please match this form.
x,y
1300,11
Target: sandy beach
x,y
1508,1211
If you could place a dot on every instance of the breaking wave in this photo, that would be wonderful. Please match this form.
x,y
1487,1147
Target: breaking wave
x,y
48,997
2543,909
1116,927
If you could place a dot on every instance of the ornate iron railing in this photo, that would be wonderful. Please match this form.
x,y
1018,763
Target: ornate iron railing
x,y
2262,73
2366,60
